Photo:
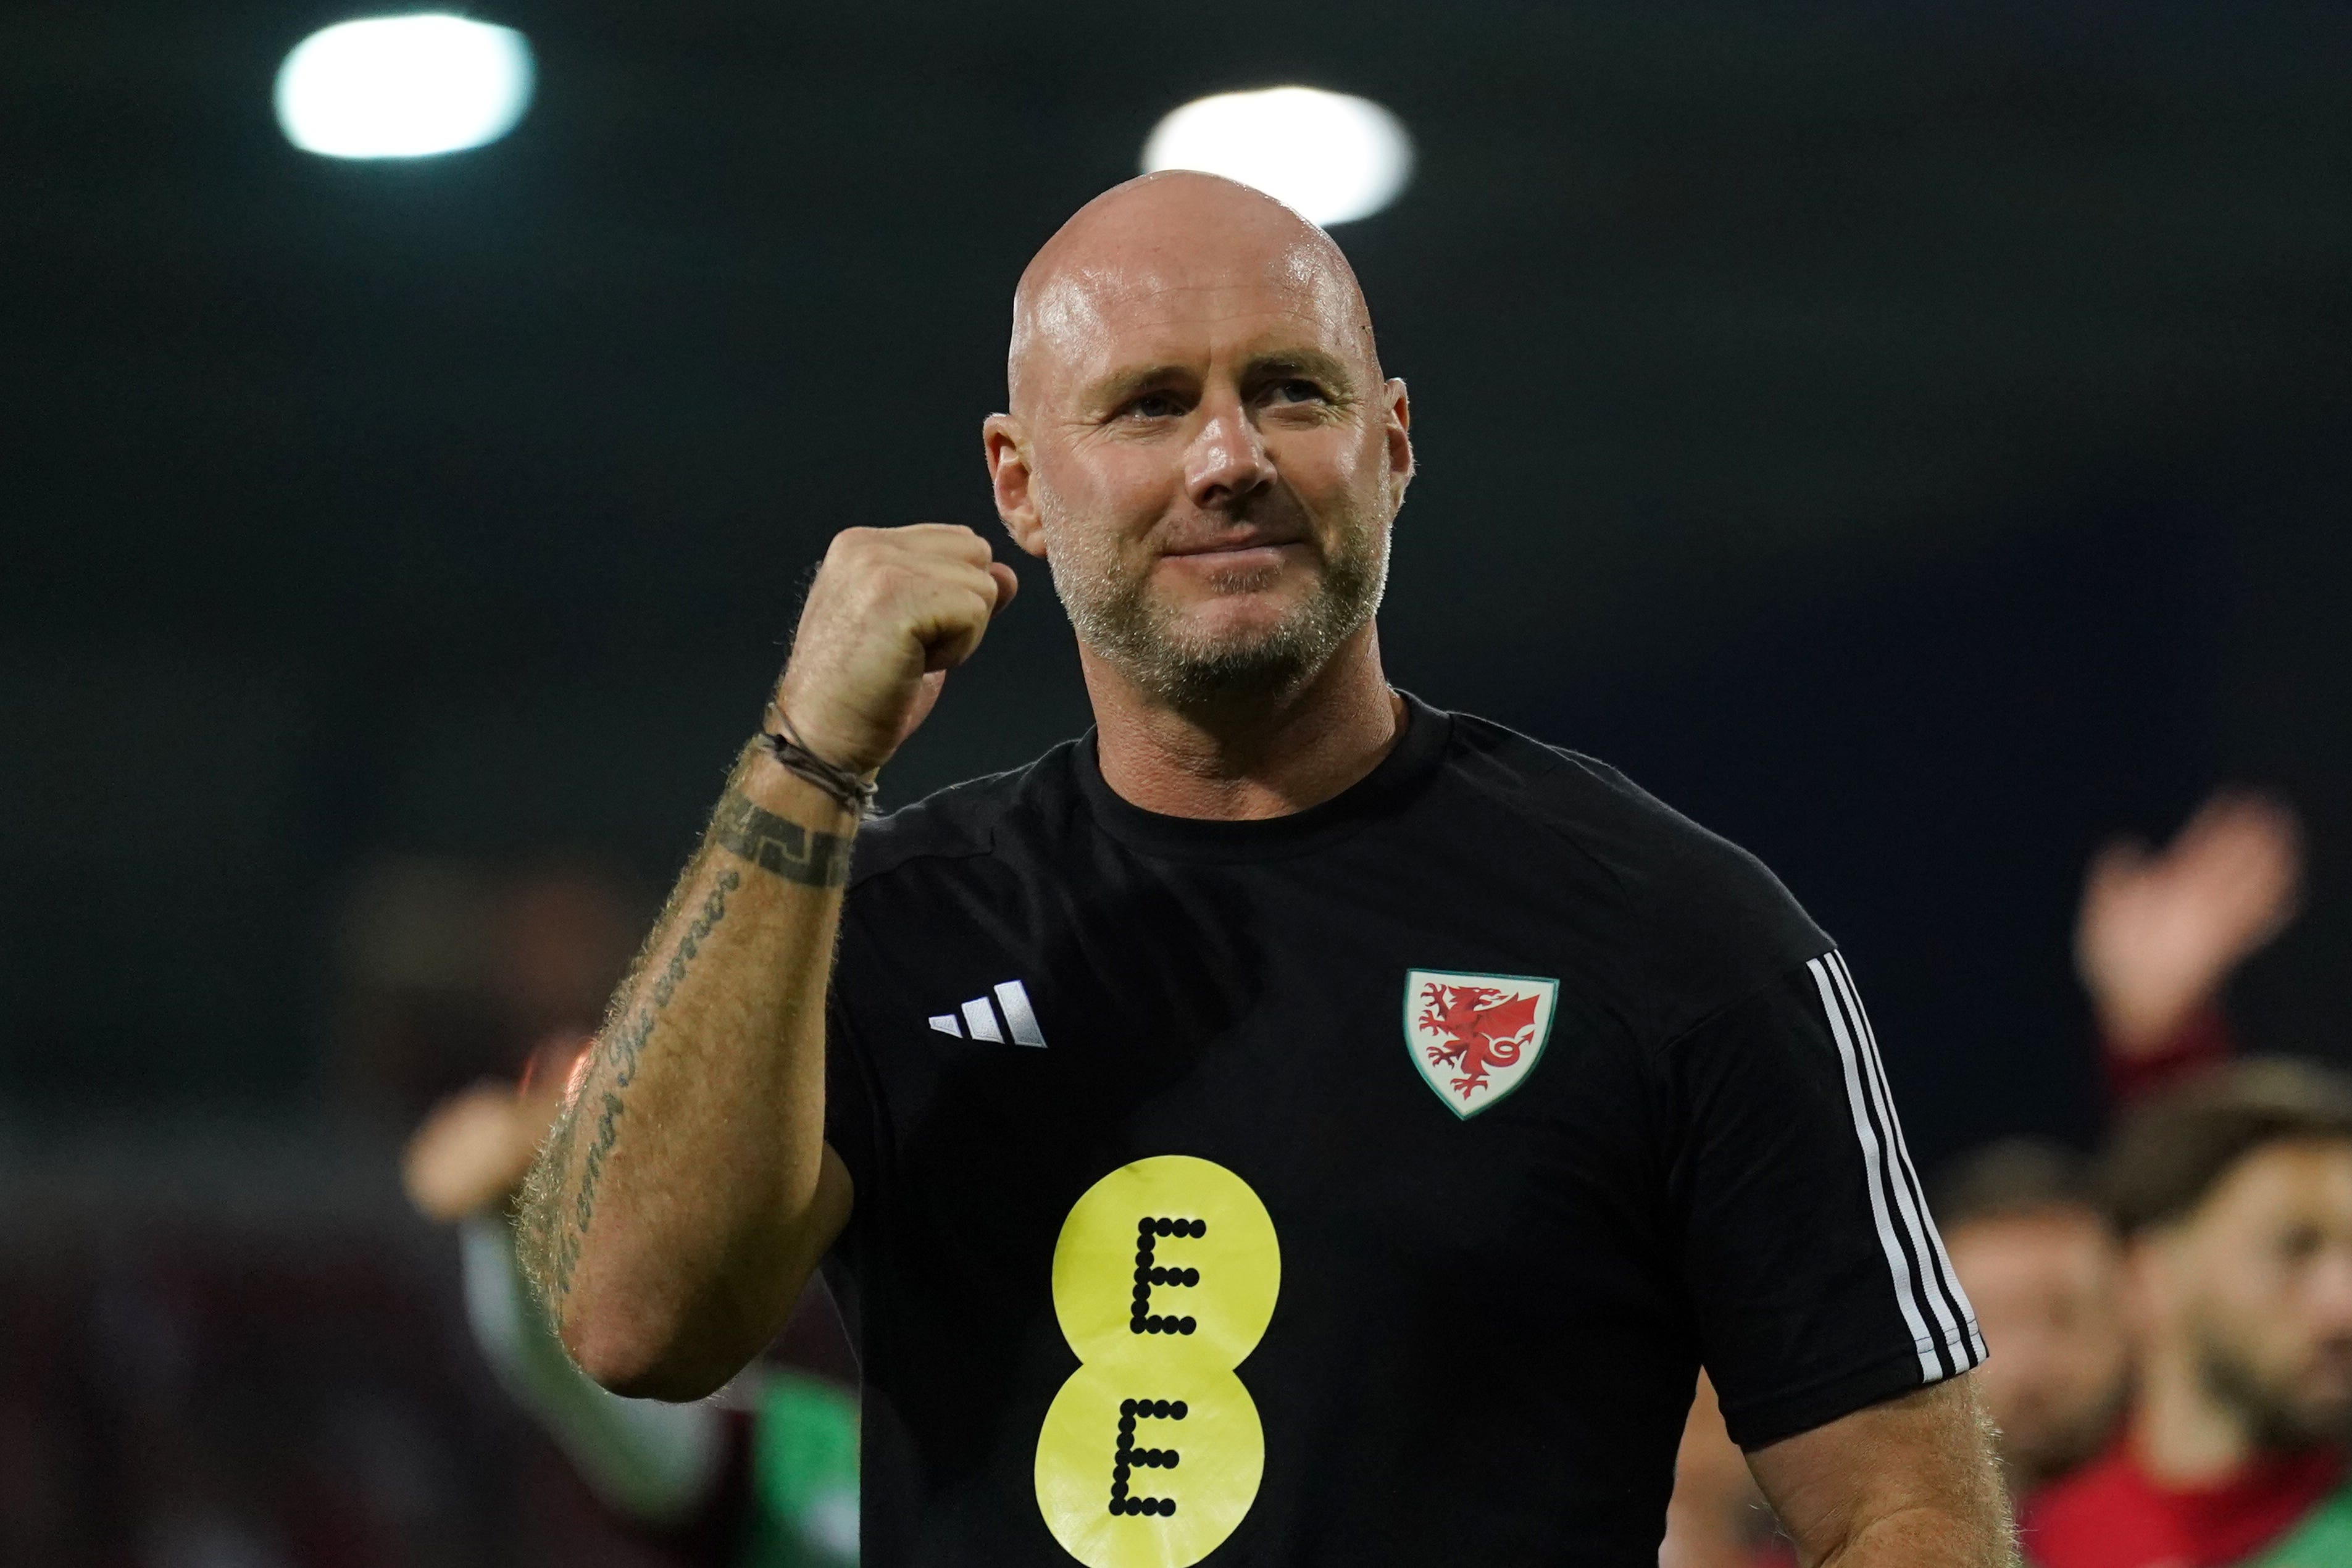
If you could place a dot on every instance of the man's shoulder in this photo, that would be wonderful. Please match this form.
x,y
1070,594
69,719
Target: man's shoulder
x,y
1664,866
1712,919
963,821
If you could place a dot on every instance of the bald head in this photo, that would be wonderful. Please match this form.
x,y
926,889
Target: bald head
x,y
1147,257
1201,443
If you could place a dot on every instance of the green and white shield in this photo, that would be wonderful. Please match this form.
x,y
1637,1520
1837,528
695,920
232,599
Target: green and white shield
x,y
1473,1039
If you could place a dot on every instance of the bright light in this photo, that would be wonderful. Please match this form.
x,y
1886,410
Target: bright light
x,y
1329,156
404,87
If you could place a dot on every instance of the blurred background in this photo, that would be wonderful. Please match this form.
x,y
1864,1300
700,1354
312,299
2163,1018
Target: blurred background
x,y
1913,441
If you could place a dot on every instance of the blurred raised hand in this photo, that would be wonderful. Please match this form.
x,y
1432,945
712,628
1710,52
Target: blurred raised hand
x,y
654,1465
471,1152
2160,930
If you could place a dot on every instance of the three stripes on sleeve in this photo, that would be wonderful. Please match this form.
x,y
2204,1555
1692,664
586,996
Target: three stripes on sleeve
x,y
1943,1327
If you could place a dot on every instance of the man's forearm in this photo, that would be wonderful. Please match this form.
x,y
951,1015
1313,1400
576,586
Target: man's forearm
x,y
676,1207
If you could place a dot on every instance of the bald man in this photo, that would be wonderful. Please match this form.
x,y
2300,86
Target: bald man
x,y
1290,1124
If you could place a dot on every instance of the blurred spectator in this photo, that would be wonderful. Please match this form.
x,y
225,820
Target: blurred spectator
x,y
228,1346
763,1474
2158,935
2041,1264
2233,1193
451,974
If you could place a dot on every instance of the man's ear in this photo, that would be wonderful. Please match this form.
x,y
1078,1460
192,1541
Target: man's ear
x,y
1399,436
1006,446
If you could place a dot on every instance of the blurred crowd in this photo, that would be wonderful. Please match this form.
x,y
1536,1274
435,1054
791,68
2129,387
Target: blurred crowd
x,y
246,1349
2170,1319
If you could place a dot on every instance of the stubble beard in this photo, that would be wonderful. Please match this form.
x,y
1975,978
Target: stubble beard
x,y
2063,1445
1116,616
2276,1417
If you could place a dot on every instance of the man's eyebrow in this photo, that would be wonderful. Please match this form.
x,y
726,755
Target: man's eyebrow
x,y
1303,361
1119,385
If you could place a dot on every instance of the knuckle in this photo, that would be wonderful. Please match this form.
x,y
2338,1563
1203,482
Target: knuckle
x,y
848,551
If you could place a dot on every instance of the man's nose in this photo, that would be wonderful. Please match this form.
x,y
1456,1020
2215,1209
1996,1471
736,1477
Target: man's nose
x,y
1227,462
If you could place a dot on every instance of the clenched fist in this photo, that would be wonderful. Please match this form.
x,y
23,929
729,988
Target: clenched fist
x,y
891,612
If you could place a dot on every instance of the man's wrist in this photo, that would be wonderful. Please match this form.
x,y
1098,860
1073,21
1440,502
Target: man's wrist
x,y
784,823
851,786
777,788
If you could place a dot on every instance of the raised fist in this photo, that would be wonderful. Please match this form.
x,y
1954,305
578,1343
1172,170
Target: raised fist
x,y
2159,931
891,612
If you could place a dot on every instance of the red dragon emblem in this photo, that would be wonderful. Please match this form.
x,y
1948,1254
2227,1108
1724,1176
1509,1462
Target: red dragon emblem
x,y
1482,1027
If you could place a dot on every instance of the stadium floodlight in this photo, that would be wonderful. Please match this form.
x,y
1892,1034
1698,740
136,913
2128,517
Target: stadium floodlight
x,y
1330,157
404,87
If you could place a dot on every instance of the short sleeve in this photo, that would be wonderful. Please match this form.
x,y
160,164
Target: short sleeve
x,y
1816,1279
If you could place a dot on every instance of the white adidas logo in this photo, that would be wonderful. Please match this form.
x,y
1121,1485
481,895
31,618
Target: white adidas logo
x,y
981,1018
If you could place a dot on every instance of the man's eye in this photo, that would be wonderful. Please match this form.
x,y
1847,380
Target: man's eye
x,y
1153,405
1296,391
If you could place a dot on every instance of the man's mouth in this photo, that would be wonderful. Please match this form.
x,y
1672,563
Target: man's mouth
x,y
1241,548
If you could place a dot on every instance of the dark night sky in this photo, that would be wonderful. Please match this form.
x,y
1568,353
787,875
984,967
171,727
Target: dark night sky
x,y
1914,446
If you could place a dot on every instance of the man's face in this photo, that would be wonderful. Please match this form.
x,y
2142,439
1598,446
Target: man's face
x,y
2044,1287
2257,1280
1212,463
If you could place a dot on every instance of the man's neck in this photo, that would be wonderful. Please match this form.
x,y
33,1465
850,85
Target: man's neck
x,y
1250,762
2185,1437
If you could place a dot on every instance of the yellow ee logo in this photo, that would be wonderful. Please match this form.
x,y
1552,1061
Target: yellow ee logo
x,y
1164,1281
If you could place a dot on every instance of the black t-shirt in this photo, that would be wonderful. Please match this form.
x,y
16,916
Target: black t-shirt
x,y
1362,1185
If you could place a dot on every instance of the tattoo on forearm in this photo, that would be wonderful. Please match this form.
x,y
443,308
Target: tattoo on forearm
x,y
557,1209
553,1228
796,853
